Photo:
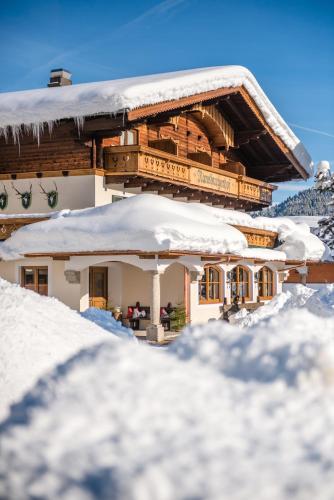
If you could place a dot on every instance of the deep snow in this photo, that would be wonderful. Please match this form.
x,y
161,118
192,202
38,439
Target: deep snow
x,y
148,222
36,334
225,412
35,108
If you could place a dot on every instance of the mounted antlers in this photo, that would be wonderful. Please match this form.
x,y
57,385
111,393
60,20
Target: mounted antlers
x,y
25,196
50,196
19,194
48,193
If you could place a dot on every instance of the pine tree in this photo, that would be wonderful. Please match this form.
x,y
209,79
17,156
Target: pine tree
x,y
324,181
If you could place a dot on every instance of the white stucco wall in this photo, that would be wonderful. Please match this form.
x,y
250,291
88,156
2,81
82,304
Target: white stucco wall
x,y
74,192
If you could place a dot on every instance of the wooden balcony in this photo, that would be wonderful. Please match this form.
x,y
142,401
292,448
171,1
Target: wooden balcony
x,y
122,163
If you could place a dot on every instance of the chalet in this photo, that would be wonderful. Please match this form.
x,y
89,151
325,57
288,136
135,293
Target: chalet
x,y
205,143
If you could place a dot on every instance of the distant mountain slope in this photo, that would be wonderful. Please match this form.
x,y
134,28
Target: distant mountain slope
x,y
308,202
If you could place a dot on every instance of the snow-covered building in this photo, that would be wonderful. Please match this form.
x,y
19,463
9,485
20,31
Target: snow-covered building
x,y
200,147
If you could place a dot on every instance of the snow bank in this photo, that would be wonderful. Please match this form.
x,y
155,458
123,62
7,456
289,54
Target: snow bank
x,y
153,223
106,321
224,413
34,108
36,334
319,302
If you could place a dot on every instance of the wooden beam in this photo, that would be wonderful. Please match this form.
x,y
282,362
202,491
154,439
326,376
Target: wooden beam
x,y
235,110
246,136
165,106
105,123
152,186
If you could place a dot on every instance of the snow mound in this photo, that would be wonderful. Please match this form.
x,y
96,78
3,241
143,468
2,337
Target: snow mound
x,y
36,334
265,353
319,302
199,420
34,108
133,224
106,321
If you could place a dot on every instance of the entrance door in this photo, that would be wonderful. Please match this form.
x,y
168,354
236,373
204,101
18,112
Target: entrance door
x,y
35,278
98,287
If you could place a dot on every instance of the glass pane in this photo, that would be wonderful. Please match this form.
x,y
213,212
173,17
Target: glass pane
x,y
213,274
99,283
202,291
234,291
42,276
28,276
131,137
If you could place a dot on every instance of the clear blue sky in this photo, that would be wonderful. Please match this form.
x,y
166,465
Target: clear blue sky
x,y
288,45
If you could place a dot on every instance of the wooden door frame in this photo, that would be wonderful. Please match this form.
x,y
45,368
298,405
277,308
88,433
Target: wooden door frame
x,y
35,270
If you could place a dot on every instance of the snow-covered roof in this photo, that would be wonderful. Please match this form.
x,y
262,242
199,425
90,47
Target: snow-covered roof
x,y
34,108
152,223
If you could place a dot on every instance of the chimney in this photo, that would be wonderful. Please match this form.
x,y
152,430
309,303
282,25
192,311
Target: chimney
x,y
59,78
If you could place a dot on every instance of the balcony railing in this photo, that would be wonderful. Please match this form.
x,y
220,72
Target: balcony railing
x,y
121,161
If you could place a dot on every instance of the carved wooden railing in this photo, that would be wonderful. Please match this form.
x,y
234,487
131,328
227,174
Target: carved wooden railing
x,y
165,167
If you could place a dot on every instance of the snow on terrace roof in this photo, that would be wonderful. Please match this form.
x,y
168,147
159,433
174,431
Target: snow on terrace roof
x,y
153,223
34,108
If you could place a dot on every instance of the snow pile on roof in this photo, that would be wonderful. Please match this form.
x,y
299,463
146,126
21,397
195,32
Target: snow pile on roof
x,y
153,223
224,413
143,222
298,243
33,108
36,334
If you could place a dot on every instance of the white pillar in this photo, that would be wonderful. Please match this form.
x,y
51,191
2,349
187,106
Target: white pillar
x,y
155,331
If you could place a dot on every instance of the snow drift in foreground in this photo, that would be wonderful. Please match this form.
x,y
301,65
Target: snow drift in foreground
x,y
224,413
33,108
36,334
153,223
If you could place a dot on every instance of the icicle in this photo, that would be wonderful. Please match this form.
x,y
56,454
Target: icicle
x,y
79,121
37,130
50,125
16,132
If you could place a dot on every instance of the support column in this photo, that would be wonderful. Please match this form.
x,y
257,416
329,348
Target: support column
x,y
155,331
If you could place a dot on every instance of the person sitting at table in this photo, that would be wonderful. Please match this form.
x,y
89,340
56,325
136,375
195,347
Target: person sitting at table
x,y
137,312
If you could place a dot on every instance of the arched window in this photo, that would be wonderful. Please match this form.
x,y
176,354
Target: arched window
x,y
210,287
266,283
239,283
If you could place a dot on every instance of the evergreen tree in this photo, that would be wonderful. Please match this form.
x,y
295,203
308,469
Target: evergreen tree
x,y
324,182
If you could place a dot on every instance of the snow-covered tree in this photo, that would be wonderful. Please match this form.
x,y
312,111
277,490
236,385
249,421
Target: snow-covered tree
x,y
324,181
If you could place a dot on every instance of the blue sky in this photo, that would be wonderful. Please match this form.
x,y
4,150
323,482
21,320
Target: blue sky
x,y
288,45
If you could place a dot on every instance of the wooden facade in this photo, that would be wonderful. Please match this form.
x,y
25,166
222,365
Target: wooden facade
x,y
214,147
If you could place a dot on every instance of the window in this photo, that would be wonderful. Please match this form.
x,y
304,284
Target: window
x,y
128,138
35,279
239,283
266,287
210,286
